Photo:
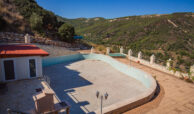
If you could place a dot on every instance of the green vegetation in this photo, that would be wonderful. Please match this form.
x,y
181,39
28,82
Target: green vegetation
x,y
192,78
152,34
66,32
2,23
29,7
38,20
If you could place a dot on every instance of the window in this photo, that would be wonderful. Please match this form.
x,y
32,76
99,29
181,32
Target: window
x,y
9,70
32,65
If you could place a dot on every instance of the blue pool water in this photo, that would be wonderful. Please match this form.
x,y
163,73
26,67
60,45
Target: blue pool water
x,y
117,55
139,75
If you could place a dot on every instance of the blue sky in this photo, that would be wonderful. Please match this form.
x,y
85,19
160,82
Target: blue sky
x,y
115,8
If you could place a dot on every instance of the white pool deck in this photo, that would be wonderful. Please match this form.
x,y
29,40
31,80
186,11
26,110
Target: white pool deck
x,y
78,82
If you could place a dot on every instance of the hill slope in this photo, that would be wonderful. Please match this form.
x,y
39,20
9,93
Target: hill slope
x,y
26,16
167,36
10,19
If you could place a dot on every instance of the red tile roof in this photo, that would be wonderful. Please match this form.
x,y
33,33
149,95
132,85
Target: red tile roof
x,y
19,50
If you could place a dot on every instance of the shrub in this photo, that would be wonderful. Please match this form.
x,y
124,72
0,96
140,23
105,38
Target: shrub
x,y
192,78
36,22
66,33
183,53
191,55
179,60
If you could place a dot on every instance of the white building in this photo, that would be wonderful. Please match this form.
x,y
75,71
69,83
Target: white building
x,y
20,61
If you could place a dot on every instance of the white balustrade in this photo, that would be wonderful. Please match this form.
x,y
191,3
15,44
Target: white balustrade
x,y
27,38
121,49
107,50
152,59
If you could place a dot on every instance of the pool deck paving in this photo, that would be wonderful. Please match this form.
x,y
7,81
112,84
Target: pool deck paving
x,y
176,96
18,95
77,83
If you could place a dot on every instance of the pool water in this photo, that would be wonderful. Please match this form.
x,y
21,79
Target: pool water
x,y
117,55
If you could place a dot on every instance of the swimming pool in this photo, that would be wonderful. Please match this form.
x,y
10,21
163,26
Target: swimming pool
x,y
117,55
137,74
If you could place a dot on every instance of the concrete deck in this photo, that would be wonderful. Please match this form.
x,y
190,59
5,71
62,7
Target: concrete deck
x,y
78,82
176,95
19,96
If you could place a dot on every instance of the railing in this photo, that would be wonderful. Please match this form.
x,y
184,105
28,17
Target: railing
x,y
158,67
161,65
46,79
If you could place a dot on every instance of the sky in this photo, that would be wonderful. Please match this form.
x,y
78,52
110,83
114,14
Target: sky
x,y
115,8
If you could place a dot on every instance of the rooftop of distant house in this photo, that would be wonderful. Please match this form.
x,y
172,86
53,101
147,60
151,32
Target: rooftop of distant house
x,y
20,50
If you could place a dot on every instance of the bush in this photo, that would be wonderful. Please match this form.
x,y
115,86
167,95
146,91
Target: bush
x,y
183,53
66,32
191,55
49,20
192,78
179,60
46,20
36,22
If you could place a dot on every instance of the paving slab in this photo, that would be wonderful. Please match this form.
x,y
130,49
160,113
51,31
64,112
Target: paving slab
x,y
18,95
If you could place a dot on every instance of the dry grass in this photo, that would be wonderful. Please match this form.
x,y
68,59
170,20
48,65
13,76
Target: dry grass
x,y
99,48
10,14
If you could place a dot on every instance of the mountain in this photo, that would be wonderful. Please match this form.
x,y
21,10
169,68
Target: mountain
x,y
166,36
26,16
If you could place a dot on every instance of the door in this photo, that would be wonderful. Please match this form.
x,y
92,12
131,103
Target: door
x,y
9,70
32,65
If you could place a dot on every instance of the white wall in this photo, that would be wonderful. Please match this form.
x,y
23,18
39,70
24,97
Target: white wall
x,y
1,73
22,70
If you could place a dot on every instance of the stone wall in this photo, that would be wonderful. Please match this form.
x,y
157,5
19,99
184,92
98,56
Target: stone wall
x,y
11,37
6,37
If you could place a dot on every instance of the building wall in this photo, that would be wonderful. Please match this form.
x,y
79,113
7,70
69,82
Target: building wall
x,y
1,73
22,70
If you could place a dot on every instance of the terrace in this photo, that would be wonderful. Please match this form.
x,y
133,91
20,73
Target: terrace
x,y
18,96
78,81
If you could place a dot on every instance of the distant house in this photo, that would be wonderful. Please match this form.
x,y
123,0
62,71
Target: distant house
x,y
20,61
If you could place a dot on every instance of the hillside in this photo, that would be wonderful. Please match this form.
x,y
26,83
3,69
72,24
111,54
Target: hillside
x,y
26,16
10,19
167,36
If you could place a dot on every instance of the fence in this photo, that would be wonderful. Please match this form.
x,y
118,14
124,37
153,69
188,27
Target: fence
x,y
154,63
12,37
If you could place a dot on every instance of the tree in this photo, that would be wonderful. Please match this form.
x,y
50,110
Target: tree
x,y
49,20
36,22
66,32
2,23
